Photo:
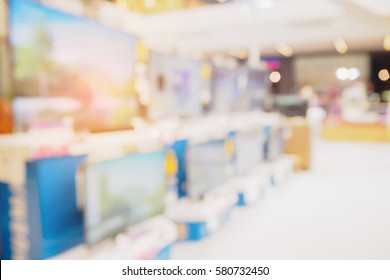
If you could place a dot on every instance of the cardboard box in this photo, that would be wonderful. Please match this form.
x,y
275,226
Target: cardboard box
x,y
300,142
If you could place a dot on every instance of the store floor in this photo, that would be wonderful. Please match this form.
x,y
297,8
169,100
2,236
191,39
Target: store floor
x,y
339,210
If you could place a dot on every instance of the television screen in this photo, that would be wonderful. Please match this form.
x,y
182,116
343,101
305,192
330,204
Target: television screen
x,y
206,166
122,192
274,144
68,67
224,89
257,87
248,150
291,105
175,86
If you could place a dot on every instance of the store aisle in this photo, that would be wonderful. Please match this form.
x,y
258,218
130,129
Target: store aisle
x,y
339,210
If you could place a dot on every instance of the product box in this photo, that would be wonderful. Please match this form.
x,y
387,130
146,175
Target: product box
x,y
300,142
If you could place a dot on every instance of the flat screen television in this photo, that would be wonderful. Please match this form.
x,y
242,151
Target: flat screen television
x,y
291,105
248,150
175,86
274,144
225,93
121,192
69,67
257,87
206,167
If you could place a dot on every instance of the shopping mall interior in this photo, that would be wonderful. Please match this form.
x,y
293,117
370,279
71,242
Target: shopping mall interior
x,y
195,129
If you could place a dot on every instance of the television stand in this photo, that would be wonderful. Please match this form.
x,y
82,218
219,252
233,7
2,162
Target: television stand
x,y
196,219
150,239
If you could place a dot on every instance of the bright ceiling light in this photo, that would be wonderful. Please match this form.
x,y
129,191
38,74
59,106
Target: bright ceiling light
x,y
353,74
386,42
340,45
150,3
221,1
384,75
350,74
284,50
342,74
264,4
275,77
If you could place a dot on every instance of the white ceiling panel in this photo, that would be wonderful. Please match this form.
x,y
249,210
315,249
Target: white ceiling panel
x,y
300,23
377,7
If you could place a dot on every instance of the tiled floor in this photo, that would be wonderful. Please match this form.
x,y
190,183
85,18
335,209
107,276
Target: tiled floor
x,y
338,210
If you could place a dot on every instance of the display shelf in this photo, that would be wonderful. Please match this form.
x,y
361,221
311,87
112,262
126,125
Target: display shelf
x,y
196,219
150,239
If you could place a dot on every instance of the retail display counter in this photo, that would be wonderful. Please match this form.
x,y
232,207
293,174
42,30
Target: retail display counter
x,y
339,130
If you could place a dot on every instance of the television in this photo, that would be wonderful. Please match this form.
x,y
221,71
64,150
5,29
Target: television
x,y
257,87
121,192
291,105
248,150
274,143
225,92
206,167
70,69
175,86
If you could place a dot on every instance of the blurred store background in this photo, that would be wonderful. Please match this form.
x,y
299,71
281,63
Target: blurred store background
x,y
198,129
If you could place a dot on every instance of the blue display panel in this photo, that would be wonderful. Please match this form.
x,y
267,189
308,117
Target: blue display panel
x,y
51,223
5,245
55,222
180,148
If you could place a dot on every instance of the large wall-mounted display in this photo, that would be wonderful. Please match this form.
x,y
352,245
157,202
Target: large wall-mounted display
x,y
122,192
68,66
175,86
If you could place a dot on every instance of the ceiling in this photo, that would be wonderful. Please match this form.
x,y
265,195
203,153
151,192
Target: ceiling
x,y
240,25
306,25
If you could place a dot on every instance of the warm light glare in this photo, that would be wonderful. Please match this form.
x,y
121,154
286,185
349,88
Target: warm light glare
x,y
340,45
123,4
284,50
240,54
275,77
136,122
221,1
150,3
384,75
386,42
